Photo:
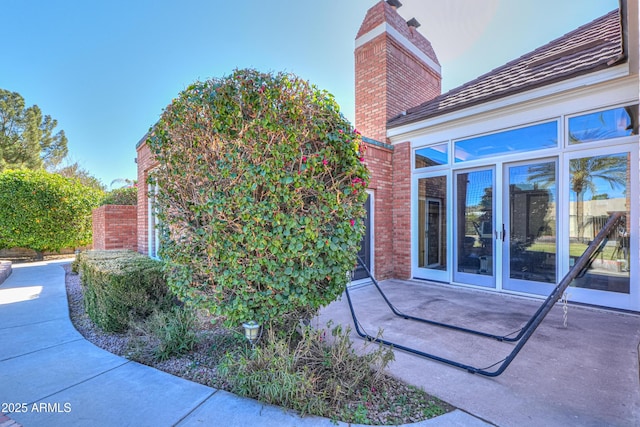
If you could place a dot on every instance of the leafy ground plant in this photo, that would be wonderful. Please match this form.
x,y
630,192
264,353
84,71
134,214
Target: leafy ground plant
x,y
163,335
317,374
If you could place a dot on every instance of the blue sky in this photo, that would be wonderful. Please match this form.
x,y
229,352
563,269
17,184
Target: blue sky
x,y
106,69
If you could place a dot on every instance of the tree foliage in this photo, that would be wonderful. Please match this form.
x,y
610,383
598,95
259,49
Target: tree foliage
x,y
44,211
27,138
75,171
262,187
121,196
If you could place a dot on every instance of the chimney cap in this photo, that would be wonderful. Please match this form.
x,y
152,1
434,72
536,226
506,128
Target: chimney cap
x,y
394,3
413,22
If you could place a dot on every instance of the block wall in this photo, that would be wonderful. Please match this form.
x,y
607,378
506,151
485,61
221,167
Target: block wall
x,y
115,227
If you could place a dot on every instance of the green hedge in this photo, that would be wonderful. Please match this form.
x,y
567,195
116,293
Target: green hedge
x,y
120,286
44,211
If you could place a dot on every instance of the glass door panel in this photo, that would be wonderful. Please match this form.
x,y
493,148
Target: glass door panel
x,y
431,242
474,228
529,230
600,185
365,245
433,236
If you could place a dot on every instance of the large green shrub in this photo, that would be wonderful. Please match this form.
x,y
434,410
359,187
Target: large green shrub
x,y
120,286
262,187
44,211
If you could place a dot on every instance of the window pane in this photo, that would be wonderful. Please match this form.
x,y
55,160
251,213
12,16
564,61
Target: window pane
x,y
608,124
600,185
432,156
531,138
432,213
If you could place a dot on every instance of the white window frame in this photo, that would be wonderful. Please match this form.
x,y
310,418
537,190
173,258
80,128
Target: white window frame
x,y
153,234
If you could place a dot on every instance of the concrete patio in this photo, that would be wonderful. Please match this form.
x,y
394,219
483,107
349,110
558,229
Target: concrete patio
x,y
583,375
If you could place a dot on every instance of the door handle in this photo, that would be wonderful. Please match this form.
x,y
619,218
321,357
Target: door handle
x,y
504,232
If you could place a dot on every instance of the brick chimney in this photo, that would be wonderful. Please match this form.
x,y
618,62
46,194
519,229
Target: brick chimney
x,y
395,68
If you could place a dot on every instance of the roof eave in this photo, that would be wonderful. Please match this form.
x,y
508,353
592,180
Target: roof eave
x,y
402,120
400,132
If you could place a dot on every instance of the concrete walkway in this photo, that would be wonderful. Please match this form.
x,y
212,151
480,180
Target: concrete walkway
x,y
51,376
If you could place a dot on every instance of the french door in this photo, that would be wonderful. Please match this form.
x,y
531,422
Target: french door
x,y
529,226
430,256
511,243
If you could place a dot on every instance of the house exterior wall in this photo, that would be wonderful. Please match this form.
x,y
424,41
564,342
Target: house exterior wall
x,y
563,101
146,163
115,227
396,69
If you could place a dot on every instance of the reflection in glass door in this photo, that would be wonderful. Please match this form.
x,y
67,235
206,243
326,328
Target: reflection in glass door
x,y
432,236
474,228
530,243
365,245
600,185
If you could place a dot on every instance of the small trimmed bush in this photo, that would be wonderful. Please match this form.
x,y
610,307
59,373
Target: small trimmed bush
x,y
121,286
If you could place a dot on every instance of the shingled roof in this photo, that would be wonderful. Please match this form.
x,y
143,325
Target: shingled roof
x,y
591,47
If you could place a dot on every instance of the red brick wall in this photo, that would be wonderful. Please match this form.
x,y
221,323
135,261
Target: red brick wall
x,y
379,162
402,210
371,89
115,227
391,185
410,82
146,163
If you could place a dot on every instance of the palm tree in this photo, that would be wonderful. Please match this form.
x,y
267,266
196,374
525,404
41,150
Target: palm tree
x,y
123,182
585,171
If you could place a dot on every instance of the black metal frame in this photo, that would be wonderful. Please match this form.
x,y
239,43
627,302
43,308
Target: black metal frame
x,y
580,267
